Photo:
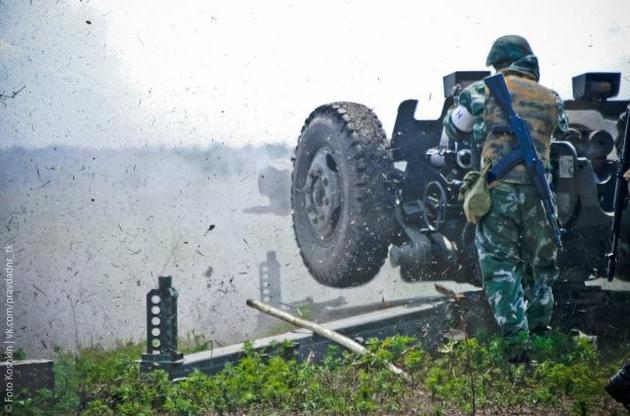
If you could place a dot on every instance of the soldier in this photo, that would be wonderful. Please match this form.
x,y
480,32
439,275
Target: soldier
x,y
621,128
517,255
619,384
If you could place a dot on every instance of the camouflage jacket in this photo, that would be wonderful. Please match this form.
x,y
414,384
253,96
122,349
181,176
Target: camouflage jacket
x,y
472,102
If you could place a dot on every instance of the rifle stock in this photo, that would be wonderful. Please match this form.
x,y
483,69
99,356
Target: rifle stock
x,y
500,92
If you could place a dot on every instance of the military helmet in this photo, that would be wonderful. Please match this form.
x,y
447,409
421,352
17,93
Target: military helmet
x,y
508,49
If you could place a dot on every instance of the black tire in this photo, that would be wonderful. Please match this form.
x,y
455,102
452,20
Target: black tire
x,y
343,204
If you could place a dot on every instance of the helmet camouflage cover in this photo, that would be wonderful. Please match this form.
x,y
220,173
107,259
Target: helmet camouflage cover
x,y
508,49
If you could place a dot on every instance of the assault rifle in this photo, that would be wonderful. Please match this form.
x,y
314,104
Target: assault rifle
x,y
619,202
525,153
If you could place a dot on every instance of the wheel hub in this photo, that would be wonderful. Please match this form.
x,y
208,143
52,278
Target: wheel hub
x,y
434,199
323,193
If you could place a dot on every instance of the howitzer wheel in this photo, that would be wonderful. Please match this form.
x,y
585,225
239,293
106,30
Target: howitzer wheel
x,y
342,200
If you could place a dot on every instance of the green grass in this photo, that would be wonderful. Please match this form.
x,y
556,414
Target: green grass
x,y
467,376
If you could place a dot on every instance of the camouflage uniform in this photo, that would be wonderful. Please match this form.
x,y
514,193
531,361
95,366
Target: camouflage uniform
x,y
517,255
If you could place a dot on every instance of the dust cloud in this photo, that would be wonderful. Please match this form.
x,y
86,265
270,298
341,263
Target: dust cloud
x,y
92,230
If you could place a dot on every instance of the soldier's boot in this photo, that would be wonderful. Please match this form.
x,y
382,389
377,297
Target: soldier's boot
x,y
541,331
619,386
518,348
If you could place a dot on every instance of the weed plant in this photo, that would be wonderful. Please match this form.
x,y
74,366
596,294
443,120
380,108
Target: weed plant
x,y
471,376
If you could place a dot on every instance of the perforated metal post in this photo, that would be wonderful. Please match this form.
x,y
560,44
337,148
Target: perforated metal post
x,y
161,327
270,291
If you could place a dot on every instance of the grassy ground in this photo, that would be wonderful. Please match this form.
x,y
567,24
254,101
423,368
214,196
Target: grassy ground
x,y
466,377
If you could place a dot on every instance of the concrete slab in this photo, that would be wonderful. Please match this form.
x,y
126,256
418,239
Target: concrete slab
x,y
32,375
427,322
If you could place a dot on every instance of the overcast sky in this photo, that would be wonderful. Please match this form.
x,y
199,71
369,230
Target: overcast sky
x,y
152,72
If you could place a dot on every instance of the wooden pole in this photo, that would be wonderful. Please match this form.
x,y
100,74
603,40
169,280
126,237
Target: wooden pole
x,y
320,330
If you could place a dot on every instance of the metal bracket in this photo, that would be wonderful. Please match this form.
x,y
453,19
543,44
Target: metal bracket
x,y
162,350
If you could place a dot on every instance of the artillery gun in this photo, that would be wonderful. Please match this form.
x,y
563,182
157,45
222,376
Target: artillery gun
x,y
358,197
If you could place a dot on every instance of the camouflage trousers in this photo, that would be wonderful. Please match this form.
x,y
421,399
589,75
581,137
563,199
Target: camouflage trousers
x,y
517,258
